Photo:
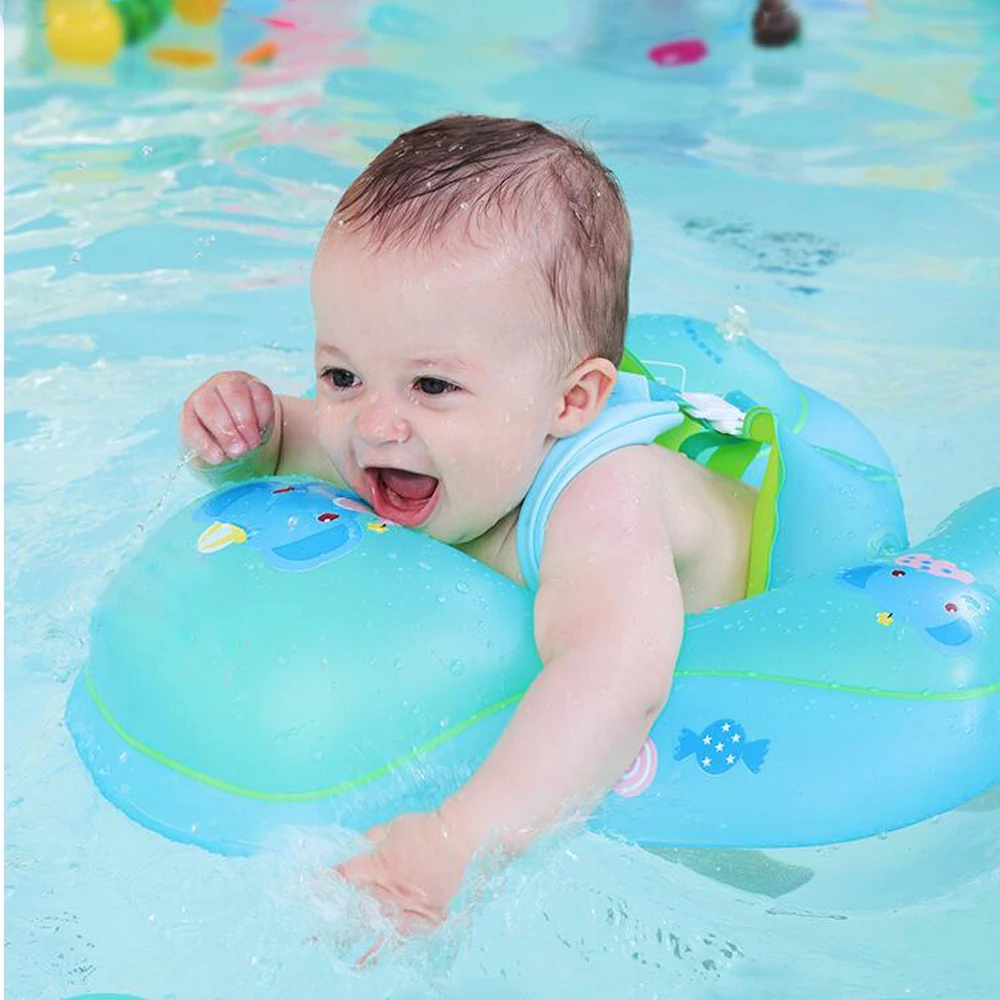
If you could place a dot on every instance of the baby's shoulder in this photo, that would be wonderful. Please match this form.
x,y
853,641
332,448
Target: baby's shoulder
x,y
625,487
619,493
647,476
648,487
629,499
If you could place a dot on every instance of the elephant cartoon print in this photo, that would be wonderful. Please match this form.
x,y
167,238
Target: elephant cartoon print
x,y
933,596
294,525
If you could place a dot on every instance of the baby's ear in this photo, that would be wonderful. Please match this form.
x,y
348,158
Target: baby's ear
x,y
585,391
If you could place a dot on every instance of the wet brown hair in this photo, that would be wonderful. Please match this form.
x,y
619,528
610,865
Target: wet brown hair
x,y
509,174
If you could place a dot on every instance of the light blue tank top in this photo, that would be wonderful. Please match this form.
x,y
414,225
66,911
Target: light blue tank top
x,y
637,412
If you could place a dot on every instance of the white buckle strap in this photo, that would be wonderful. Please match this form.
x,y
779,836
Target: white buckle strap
x,y
720,415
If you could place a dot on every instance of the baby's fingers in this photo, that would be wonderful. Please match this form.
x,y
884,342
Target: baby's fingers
x,y
359,871
197,439
263,403
215,416
369,957
407,924
237,395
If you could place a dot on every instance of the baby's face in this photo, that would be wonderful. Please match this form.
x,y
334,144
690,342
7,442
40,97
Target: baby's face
x,y
436,394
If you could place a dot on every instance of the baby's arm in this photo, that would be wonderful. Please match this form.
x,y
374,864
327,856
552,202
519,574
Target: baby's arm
x,y
237,428
608,624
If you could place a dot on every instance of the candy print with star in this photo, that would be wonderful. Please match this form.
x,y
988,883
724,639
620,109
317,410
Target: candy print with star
x,y
720,746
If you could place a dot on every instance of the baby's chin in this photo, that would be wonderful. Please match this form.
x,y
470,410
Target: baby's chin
x,y
501,522
441,531
448,525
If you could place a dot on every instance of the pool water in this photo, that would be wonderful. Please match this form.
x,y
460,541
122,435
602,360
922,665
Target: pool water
x,y
159,228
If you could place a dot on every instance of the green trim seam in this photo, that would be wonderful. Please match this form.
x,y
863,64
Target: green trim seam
x,y
310,796
984,690
873,472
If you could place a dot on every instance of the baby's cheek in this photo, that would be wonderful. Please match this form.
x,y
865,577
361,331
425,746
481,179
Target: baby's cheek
x,y
335,445
500,481
329,431
519,470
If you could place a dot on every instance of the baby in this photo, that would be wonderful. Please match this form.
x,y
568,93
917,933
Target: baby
x,y
470,296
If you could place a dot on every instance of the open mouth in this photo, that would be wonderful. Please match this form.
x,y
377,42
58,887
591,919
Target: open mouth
x,y
408,498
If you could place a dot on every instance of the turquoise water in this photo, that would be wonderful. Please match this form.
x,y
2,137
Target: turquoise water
x,y
160,228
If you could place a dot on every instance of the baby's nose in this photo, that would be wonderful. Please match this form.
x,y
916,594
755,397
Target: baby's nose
x,y
381,422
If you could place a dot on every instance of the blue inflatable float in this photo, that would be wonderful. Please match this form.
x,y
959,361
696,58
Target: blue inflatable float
x,y
277,654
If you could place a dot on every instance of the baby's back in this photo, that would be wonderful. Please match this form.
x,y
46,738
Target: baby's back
x,y
707,517
709,520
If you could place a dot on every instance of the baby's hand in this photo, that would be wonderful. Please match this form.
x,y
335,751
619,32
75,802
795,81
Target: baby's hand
x,y
226,417
413,871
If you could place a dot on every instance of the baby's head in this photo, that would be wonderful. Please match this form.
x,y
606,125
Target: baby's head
x,y
471,296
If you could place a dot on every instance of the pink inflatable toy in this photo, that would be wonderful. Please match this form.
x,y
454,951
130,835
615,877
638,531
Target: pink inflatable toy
x,y
682,52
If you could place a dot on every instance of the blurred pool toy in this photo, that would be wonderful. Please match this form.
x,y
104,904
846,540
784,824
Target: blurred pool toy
x,y
95,32
181,57
259,55
251,33
92,32
277,654
198,12
682,52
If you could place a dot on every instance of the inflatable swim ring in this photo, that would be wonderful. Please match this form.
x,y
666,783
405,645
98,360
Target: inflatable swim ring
x,y
277,654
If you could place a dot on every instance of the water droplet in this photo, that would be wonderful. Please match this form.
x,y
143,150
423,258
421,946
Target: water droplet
x,y
735,326
462,588
456,668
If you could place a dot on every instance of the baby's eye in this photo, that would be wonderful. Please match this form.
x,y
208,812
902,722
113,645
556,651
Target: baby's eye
x,y
340,378
431,386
